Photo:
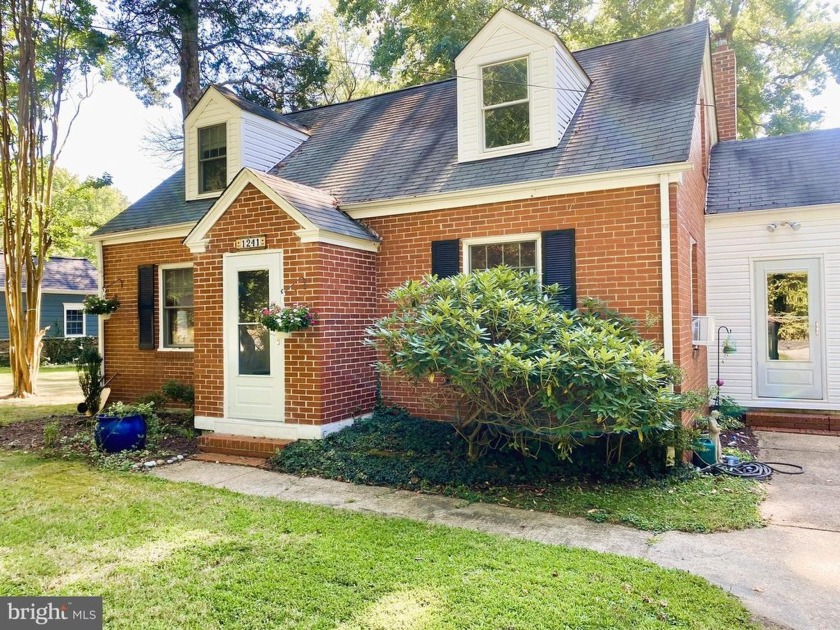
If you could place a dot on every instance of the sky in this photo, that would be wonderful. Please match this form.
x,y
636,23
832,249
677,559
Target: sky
x,y
108,136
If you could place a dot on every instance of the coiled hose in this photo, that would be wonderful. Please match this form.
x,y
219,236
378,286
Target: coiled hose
x,y
754,470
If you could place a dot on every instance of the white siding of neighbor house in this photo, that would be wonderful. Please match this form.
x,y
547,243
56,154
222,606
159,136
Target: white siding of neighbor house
x,y
550,66
733,244
265,143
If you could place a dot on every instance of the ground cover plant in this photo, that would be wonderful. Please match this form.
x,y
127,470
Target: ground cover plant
x,y
521,373
394,449
166,555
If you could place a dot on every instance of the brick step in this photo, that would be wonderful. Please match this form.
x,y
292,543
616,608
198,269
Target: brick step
x,y
819,423
239,445
236,460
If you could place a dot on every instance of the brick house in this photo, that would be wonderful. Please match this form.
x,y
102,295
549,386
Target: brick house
x,y
590,168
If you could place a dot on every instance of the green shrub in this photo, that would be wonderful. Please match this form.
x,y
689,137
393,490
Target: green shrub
x,y
89,369
52,433
61,351
155,398
179,392
520,371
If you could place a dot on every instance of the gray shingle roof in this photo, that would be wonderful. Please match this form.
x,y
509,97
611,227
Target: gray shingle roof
x,y
639,111
801,169
65,274
163,205
258,110
317,206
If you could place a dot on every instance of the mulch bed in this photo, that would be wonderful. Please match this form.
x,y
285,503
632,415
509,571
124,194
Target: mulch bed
x,y
29,435
744,439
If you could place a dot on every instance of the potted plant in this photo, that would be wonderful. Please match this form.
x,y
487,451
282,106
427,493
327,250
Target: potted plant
x,y
286,319
100,305
123,427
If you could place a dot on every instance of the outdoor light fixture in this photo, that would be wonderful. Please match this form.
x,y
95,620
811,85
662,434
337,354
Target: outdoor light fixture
x,y
793,225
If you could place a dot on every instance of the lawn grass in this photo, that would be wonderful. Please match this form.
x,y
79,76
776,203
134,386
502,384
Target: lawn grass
x,y
11,412
166,555
395,450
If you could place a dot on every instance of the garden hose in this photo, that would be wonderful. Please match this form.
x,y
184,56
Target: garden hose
x,y
754,470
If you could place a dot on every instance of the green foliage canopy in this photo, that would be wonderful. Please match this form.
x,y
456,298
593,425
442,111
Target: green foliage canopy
x,y
520,371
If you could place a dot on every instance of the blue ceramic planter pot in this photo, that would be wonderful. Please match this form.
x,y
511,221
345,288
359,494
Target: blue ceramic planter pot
x,y
114,435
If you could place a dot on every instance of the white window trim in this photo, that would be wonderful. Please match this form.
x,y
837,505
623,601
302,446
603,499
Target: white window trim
x,y
161,268
75,306
508,148
502,238
198,167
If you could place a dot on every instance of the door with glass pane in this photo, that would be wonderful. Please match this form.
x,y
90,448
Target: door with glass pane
x,y
253,356
788,297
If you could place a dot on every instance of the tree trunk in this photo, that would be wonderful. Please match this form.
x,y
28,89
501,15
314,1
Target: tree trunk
x,y
189,87
689,9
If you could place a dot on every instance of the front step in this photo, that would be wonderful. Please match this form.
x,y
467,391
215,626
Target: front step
x,y
794,422
240,445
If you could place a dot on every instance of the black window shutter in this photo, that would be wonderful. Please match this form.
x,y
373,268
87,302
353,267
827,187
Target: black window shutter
x,y
146,307
445,258
558,264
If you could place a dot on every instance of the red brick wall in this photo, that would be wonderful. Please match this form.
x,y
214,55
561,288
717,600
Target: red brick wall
x,y
725,82
618,252
328,370
139,372
689,285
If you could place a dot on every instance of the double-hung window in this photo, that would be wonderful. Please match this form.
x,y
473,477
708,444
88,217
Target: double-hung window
x,y
505,104
74,320
212,158
177,323
520,252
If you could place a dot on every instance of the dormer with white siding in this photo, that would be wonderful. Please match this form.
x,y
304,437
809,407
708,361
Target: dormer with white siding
x,y
224,134
518,89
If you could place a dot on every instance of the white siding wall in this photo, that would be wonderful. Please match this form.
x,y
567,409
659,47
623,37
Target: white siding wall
x,y
572,84
216,109
733,244
265,143
550,66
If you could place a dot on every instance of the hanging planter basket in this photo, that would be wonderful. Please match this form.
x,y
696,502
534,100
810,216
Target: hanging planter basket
x,y
729,346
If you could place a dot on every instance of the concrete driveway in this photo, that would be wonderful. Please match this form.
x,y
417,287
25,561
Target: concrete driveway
x,y
787,574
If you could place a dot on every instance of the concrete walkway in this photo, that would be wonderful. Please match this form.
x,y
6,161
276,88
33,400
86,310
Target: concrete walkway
x,y
787,573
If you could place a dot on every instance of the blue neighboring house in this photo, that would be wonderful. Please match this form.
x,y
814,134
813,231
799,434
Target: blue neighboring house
x,y
66,283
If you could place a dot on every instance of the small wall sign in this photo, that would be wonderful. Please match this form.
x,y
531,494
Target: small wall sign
x,y
251,242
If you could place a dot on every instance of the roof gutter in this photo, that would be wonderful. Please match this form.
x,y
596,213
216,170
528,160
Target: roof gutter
x,y
178,230
667,297
607,180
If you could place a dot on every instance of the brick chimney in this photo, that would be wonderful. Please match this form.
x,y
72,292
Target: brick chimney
x,y
726,100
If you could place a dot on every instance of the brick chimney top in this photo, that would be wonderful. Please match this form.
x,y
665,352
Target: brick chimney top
x,y
725,82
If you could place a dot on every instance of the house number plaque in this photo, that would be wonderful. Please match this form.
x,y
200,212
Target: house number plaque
x,y
251,242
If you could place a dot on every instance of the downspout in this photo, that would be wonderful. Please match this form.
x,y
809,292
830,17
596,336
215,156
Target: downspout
x,y
100,262
667,303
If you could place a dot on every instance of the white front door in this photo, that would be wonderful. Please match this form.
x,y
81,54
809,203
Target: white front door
x,y
253,357
789,346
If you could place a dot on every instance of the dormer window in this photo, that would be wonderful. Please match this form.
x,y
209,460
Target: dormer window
x,y
505,104
212,158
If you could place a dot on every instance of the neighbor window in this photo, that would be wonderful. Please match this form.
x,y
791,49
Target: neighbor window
x,y
74,320
177,307
505,104
212,158
521,255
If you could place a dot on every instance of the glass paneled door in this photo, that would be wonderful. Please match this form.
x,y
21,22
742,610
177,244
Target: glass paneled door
x,y
789,346
253,356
